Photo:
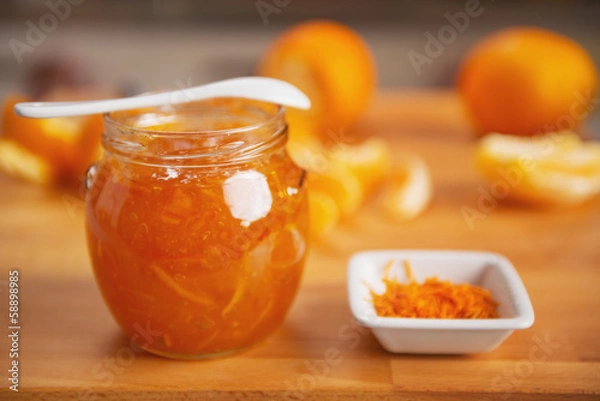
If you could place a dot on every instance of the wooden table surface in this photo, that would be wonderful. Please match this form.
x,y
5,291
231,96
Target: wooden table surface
x,y
70,348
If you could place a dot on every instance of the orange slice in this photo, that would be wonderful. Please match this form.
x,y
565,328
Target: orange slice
x,y
17,160
557,168
370,161
68,145
409,189
341,184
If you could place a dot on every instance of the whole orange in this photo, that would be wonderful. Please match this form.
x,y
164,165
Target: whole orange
x,y
331,63
526,81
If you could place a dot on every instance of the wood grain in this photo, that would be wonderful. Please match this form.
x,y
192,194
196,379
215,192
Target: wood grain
x,y
72,349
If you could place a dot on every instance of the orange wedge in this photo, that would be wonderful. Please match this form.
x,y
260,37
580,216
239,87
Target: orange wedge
x,y
409,189
370,161
68,145
305,148
341,184
18,161
556,168
324,213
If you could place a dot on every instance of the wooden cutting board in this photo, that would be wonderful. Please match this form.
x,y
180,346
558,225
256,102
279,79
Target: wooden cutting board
x,y
70,348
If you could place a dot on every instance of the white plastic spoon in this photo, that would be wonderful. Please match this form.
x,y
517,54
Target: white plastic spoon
x,y
257,88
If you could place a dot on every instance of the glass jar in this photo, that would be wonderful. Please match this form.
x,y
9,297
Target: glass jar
x,y
197,225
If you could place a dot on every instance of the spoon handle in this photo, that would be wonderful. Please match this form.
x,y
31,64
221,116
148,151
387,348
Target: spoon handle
x,y
256,88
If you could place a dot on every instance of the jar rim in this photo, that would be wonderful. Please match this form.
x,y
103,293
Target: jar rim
x,y
113,122
144,135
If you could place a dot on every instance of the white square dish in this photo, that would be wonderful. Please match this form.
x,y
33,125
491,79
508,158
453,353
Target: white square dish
x,y
440,336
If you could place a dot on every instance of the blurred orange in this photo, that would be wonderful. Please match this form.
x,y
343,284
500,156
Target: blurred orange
x,y
329,62
66,145
527,80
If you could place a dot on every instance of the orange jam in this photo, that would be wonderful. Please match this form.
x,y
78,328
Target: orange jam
x,y
197,225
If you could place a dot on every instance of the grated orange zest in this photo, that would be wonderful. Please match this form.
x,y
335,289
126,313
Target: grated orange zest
x,y
432,299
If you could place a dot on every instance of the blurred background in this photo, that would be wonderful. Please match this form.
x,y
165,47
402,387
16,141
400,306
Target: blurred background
x,y
141,45
157,43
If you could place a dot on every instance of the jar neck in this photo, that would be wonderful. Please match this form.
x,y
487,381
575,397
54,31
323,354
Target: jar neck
x,y
212,133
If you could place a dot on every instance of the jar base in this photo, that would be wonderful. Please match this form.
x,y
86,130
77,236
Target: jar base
x,y
195,357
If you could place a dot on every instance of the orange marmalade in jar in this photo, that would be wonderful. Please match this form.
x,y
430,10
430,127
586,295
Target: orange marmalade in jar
x,y
197,225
